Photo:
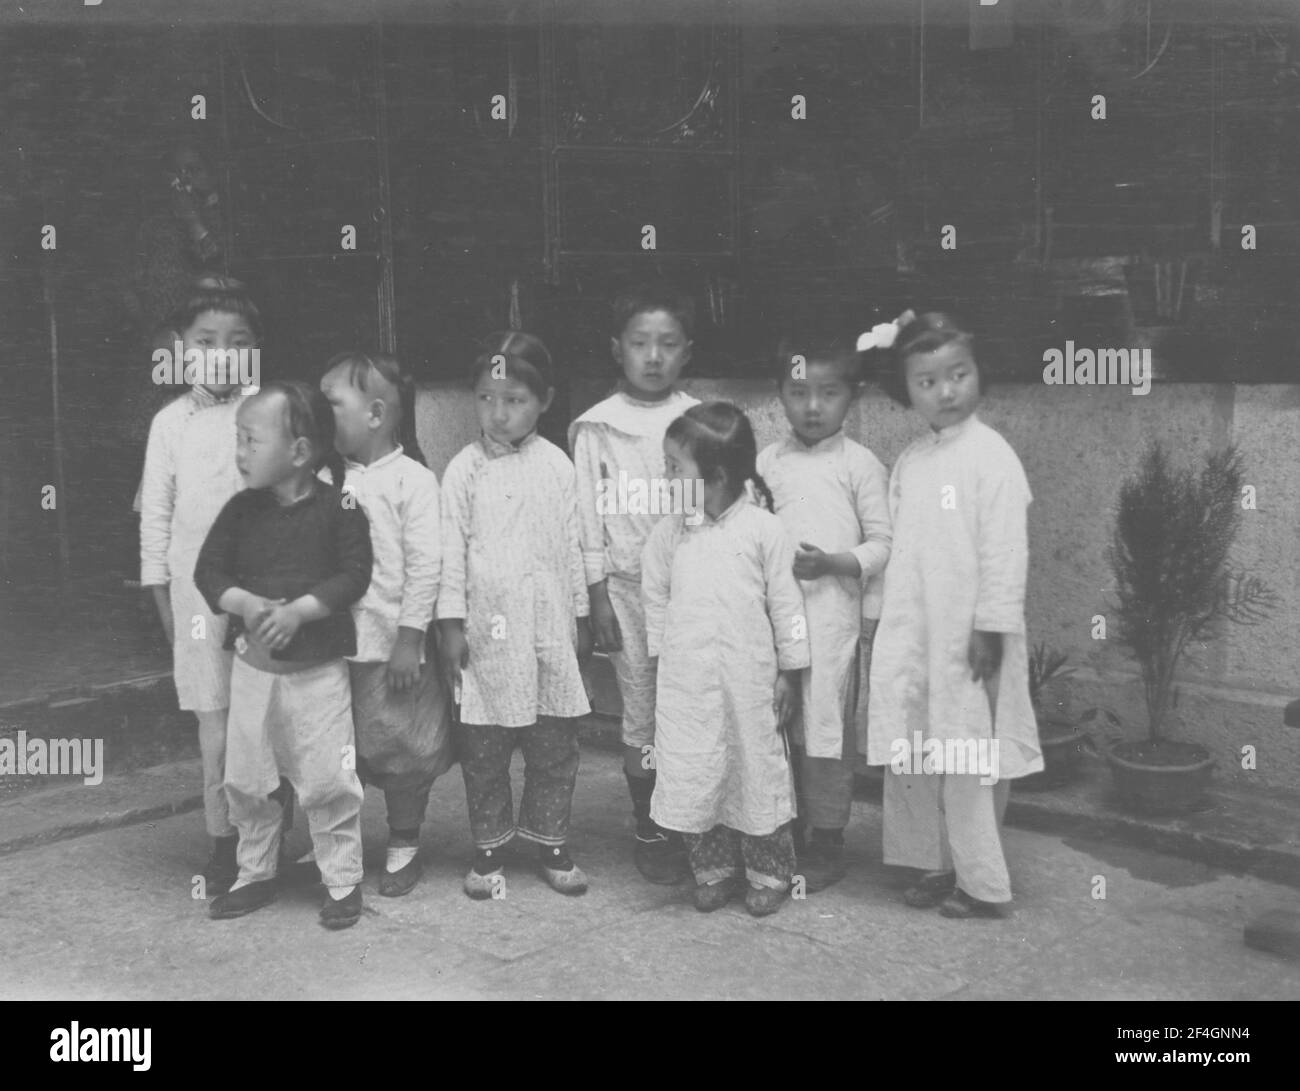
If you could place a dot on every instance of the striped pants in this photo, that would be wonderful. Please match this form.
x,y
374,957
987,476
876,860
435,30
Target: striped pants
x,y
300,726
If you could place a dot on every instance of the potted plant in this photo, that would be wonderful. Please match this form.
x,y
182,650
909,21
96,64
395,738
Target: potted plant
x,y
1174,584
1060,738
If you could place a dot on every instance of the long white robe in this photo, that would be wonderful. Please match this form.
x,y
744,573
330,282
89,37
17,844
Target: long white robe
x,y
959,563
724,614
832,495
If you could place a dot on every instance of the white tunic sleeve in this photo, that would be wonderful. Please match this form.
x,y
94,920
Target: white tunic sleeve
x,y
577,569
871,501
785,606
1003,548
591,524
656,583
421,551
455,539
157,501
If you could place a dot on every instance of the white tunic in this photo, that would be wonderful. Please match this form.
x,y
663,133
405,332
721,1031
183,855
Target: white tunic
x,y
724,614
832,495
402,504
959,563
619,439
189,474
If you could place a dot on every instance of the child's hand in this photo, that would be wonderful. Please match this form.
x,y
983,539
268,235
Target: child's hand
x,y
984,655
453,650
607,634
279,627
255,611
403,666
785,700
585,643
810,563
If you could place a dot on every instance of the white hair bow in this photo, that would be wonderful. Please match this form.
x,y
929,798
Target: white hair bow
x,y
883,335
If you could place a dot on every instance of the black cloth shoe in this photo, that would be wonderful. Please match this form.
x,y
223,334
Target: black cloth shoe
x,y
961,905
393,884
222,868
343,912
932,888
246,899
822,862
661,857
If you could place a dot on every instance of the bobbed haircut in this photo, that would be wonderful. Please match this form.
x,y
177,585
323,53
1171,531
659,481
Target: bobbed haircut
x,y
926,333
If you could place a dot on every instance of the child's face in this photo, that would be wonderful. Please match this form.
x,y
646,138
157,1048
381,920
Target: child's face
x,y
216,330
266,454
508,409
944,385
678,463
816,404
652,351
357,417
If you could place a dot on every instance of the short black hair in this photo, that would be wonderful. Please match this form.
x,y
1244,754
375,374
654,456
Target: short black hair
x,y
839,350
523,356
654,296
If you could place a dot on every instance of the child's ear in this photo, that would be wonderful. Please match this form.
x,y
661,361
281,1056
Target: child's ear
x,y
550,397
378,411
616,350
302,452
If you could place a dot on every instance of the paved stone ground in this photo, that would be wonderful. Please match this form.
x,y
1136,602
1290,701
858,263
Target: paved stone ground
x,y
110,915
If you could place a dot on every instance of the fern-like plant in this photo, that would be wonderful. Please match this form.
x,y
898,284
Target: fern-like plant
x,y
1170,552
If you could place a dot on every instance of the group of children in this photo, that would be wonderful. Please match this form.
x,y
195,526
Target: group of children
x,y
339,617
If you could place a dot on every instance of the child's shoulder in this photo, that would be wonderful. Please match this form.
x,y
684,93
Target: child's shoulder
x,y
174,413
624,414
545,451
995,450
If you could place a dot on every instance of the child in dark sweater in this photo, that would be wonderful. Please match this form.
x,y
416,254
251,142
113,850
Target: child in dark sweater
x,y
286,558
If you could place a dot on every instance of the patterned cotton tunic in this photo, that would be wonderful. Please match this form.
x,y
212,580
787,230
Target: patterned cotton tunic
x,y
189,474
724,613
959,563
512,568
832,495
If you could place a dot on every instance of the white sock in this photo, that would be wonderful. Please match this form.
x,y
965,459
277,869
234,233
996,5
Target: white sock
x,y
237,884
338,893
399,856
310,858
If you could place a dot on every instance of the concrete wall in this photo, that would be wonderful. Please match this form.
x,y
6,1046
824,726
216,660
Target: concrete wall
x,y
1076,444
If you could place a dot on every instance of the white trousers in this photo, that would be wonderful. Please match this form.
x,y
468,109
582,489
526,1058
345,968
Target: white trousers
x,y
949,822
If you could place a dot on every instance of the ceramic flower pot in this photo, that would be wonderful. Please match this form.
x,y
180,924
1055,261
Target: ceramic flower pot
x,y
1161,778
